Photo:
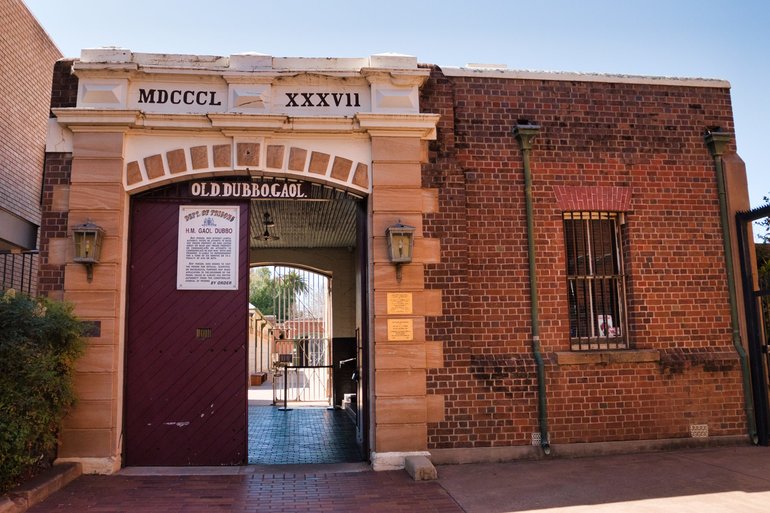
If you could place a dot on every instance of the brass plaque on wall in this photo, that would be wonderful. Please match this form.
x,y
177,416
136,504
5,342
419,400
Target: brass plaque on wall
x,y
399,303
400,329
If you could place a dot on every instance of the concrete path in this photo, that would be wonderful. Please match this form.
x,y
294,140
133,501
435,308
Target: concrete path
x,y
729,479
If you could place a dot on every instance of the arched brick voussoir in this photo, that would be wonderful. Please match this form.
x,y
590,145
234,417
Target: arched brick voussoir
x,y
217,160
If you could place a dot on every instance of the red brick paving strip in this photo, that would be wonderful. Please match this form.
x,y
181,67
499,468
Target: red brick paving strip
x,y
374,492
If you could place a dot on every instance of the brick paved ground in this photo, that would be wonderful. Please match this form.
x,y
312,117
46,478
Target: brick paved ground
x,y
374,492
727,479
302,435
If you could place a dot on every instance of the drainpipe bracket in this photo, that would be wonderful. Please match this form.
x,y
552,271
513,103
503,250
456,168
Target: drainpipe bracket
x,y
717,141
524,133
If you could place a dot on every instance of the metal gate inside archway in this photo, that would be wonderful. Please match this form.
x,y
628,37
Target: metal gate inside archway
x,y
298,344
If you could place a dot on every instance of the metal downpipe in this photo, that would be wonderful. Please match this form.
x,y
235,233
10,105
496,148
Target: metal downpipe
x,y
524,133
717,141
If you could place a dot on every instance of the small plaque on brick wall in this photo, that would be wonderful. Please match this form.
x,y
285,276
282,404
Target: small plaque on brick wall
x,y
92,329
400,329
399,303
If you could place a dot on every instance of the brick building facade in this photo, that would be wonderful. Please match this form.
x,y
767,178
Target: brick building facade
x,y
567,291
25,91
635,147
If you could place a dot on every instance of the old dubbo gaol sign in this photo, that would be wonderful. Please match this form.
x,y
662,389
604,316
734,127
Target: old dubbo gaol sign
x,y
208,248
259,190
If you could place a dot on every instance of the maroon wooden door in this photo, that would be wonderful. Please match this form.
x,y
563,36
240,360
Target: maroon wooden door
x,y
186,368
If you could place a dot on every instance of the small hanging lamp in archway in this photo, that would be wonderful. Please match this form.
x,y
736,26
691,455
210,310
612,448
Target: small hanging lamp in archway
x,y
268,222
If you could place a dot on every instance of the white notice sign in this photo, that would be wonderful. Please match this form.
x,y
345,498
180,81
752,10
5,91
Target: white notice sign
x,y
208,248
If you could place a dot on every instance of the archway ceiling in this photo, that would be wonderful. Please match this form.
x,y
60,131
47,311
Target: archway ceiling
x,y
328,220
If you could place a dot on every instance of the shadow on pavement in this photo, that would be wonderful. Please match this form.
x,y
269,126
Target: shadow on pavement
x,y
718,480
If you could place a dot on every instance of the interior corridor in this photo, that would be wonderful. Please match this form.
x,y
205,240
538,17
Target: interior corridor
x,y
302,435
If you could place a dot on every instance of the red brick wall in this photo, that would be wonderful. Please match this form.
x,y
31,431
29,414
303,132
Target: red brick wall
x,y
58,169
25,90
64,90
648,138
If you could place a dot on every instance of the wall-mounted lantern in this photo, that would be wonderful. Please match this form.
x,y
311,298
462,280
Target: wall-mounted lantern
x,y
400,245
88,239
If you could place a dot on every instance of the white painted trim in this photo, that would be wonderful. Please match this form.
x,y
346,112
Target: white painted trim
x,y
250,61
399,125
176,121
394,125
248,121
70,117
583,77
58,139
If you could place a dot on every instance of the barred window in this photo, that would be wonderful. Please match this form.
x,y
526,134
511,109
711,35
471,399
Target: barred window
x,y
595,280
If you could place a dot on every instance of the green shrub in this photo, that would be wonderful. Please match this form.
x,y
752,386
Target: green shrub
x,y
39,343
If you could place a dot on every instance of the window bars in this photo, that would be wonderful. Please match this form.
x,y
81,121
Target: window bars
x,y
595,280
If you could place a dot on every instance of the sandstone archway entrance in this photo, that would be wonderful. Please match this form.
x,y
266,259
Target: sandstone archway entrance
x,y
187,348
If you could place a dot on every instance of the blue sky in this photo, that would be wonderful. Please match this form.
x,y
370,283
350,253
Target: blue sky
x,y
682,38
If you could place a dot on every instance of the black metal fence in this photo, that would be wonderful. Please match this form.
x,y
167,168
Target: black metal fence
x,y
18,271
303,371
755,270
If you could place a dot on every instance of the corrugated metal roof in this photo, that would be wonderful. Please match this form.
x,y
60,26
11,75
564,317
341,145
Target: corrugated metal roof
x,y
327,220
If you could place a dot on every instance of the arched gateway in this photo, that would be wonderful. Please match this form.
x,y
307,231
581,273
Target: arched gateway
x,y
175,157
